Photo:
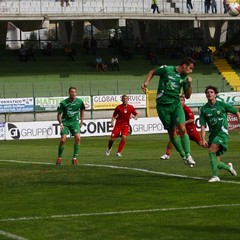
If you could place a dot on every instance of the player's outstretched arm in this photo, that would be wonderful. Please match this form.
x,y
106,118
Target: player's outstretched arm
x,y
148,79
188,93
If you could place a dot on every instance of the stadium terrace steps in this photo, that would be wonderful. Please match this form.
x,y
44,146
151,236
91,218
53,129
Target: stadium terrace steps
x,y
228,73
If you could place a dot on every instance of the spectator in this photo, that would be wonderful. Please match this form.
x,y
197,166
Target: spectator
x,y
207,56
23,53
214,6
66,1
154,6
31,53
115,63
189,6
222,52
225,6
207,4
47,51
100,64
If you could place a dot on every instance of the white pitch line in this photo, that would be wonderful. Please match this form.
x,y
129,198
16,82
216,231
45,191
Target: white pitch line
x,y
118,212
154,172
143,170
10,235
121,167
26,162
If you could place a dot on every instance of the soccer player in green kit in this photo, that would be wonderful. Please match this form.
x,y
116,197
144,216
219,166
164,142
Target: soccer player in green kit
x,y
68,118
173,80
214,114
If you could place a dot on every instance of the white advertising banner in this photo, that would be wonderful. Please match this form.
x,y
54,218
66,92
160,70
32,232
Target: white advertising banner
x,y
90,128
111,101
9,105
199,99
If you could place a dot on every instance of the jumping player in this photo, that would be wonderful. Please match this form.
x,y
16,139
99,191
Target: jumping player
x,y
173,80
190,127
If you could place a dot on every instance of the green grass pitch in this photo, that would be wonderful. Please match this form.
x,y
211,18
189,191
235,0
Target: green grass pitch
x,y
135,197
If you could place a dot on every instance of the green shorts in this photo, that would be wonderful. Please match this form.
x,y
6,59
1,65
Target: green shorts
x,y
72,127
220,139
171,114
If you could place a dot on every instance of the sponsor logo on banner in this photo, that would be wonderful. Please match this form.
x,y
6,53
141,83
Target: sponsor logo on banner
x,y
199,99
111,101
2,130
99,127
51,103
90,128
16,105
233,123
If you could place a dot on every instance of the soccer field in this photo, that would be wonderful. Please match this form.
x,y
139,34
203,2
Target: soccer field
x,y
134,197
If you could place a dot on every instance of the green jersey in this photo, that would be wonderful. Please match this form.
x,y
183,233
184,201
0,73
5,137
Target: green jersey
x,y
216,117
70,110
170,85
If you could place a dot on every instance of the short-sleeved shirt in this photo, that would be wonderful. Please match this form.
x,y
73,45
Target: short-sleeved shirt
x,y
216,117
70,110
123,114
170,85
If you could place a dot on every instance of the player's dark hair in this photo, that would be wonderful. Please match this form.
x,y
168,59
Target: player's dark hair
x,y
188,61
182,96
124,95
213,88
72,88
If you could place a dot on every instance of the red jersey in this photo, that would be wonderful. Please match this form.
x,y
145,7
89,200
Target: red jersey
x,y
123,114
189,115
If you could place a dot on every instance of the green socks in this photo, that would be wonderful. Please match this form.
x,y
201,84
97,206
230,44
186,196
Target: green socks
x,y
182,145
178,146
60,151
217,165
185,141
75,150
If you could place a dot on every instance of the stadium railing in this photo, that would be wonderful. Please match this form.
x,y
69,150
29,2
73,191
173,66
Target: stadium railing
x,y
102,7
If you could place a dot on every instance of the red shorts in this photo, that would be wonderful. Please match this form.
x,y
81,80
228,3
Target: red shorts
x,y
194,135
118,130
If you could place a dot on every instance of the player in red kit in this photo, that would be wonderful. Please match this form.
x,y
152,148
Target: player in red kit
x,y
190,127
122,115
